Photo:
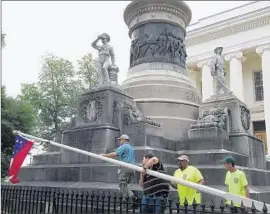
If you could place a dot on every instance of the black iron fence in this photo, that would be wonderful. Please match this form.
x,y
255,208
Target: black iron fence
x,y
36,200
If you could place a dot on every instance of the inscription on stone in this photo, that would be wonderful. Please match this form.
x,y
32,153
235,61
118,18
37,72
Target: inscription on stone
x,y
158,42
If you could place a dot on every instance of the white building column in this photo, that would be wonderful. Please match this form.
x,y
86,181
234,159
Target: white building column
x,y
236,73
207,80
264,52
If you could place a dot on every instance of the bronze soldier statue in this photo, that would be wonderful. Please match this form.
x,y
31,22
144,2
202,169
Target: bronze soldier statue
x,y
218,71
105,52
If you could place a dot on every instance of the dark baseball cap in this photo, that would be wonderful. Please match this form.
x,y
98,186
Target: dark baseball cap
x,y
228,159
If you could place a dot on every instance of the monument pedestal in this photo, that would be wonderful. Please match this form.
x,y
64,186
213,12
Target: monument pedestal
x,y
239,120
103,115
225,117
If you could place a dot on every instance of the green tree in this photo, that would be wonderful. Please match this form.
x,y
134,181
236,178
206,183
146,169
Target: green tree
x,y
15,115
54,96
87,71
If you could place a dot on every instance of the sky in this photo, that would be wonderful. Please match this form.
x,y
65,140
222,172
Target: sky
x,y
66,29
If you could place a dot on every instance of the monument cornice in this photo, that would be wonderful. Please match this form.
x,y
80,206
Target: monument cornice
x,y
140,12
228,27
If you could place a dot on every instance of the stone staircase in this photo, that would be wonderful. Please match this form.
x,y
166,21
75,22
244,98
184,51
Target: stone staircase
x,y
48,168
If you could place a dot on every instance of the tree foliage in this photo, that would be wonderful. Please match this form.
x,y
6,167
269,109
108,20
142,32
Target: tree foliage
x,y
87,71
54,96
15,115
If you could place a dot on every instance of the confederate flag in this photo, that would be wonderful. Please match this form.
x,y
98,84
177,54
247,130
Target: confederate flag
x,y
21,149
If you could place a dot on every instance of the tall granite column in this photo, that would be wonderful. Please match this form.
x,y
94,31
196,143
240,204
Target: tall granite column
x,y
207,80
264,52
236,73
157,78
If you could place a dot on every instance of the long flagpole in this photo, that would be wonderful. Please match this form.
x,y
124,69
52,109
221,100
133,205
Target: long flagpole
x,y
202,188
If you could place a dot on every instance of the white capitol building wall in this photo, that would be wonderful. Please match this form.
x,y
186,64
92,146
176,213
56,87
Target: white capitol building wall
x,y
244,33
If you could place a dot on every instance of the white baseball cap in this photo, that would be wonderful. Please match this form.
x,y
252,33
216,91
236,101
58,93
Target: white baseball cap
x,y
124,136
183,157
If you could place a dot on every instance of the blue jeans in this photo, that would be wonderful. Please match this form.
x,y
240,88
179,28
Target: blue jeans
x,y
153,204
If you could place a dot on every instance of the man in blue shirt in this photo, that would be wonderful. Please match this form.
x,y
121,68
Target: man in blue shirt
x,y
126,154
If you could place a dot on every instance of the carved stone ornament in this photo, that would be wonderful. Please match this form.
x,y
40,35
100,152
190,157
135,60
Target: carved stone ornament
x,y
91,109
245,117
215,117
165,47
133,115
192,97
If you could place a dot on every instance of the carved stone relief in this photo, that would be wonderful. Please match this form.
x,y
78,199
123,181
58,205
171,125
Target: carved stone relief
x,y
245,117
91,108
163,46
133,115
215,117
192,97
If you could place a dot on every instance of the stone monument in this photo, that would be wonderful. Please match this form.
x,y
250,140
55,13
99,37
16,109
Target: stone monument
x,y
157,78
163,117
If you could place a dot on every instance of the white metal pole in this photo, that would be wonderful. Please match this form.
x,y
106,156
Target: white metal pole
x,y
202,188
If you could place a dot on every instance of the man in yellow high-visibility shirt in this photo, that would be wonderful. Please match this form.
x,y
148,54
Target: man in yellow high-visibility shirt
x,y
235,179
188,173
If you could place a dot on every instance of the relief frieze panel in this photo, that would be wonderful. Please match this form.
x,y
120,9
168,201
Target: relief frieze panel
x,y
158,42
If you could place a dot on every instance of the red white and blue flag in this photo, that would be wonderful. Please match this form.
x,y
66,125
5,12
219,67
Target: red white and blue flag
x,y
21,149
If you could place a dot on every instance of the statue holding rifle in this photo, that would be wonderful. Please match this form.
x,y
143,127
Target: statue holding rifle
x,y
105,68
218,71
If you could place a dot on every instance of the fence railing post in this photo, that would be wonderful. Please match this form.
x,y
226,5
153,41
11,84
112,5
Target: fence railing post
x,y
265,210
103,202
253,208
194,205
76,201
114,202
81,200
86,202
62,201
222,206
212,206
67,201
92,201
109,202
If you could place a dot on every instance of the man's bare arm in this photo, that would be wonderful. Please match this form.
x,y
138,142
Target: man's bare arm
x,y
110,155
152,161
141,179
247,191
201,182
174,185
